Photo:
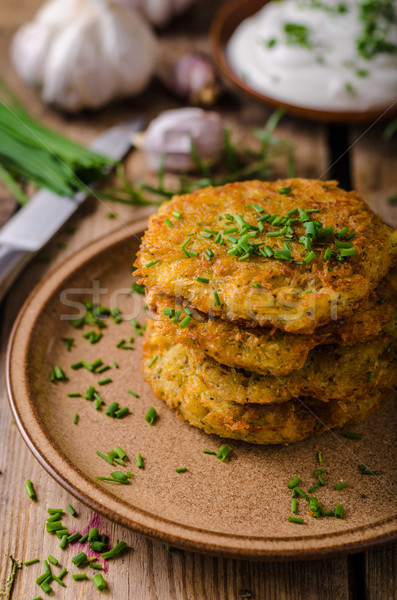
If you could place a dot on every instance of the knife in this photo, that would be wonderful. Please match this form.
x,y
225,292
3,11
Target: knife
x,y
36,223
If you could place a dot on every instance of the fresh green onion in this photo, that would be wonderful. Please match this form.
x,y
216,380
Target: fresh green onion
x,y
79,559
301,493
181,470
203,280
122,412
74,537
79,576
52,560
284,190
64,541
99,582
294,482
313,503
293,505
309,257
209,452
340,486
31,562
133,393
152,362
169,223
71,510
139,461
151,263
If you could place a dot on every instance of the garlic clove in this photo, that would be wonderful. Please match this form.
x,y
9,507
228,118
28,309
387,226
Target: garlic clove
x,y
170,135
193,78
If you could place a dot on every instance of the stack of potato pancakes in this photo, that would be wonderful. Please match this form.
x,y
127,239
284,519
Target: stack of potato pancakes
x,y
273,308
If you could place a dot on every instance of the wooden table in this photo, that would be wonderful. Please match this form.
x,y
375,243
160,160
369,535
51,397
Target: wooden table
x,y
149,572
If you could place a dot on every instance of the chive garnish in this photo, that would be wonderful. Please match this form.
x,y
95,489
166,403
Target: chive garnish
x,y
301,493
79,576
181,470
340,486
103,369
45,586
105,381
309,257
93,534
364,471
31,562
319,473
52,560
296,520
151,415
133,393
69,343
96,566
74,537
313,503
151,263
152,362
284,190
185,321
209,452
111,410
79,559
294,482
223,453
293,505
203,280
64,541
55,517
339,510
115,551
314,487
177,214
30,490
122,412
99,582
169,223
139,461
97,546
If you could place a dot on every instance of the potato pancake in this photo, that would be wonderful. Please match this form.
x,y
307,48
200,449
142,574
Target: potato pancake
x,y
329,373
273,351
173,378
293,254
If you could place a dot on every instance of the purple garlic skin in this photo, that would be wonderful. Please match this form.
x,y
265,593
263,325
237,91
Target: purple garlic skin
x,y
168,138
193,78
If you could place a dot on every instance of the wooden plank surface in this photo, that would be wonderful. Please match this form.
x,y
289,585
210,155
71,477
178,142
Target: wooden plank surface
x,y
148,571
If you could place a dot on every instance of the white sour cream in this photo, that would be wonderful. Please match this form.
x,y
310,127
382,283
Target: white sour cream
x,y
305,52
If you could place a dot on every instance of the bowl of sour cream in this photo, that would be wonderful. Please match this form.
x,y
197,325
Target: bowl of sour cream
x,y
331,60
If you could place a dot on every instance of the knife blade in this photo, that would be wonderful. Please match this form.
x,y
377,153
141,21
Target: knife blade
x,y
36,223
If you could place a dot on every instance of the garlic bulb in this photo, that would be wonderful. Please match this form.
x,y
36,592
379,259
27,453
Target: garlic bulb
x,y
85,53
170,134
158,12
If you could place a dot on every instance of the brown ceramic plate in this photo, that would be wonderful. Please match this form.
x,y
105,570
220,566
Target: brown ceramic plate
x,y
236,509
226,21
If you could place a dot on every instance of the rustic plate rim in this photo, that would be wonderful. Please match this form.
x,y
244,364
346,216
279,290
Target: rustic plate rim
x,y
171,532
219,37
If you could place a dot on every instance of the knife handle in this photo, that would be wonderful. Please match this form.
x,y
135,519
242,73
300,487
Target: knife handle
x,y
12,261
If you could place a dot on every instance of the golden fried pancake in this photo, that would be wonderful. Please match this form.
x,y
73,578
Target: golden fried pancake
x,y
275,352
330,372
297,289
173,378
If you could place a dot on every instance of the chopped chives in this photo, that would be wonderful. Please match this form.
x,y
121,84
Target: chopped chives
x,y
62,573
119,461
98,546
93,534
181,470
203,280
89,395
319,458
30,490
108,460
122,412
185,321
169,223
71,510
364,471
116,366
74,537
151,263
151,415
99,582
79,576
293,505
207,236
98,566
327,513
339,510
52,560
120,453
69,343
294,482
284,190
31,562
340,486
291,212
152,362
314,487
231,230
133,393
55,517
347,251
301,492
54,526
177,214
209,452
352,435
45,586
319,475
83,539
42,578
223,453
327,254
74,395
139,461
115,551
309,257
217,300
64,541
103,369
105,381
313,503
77,365
255,284
342,232
61,532
296,520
